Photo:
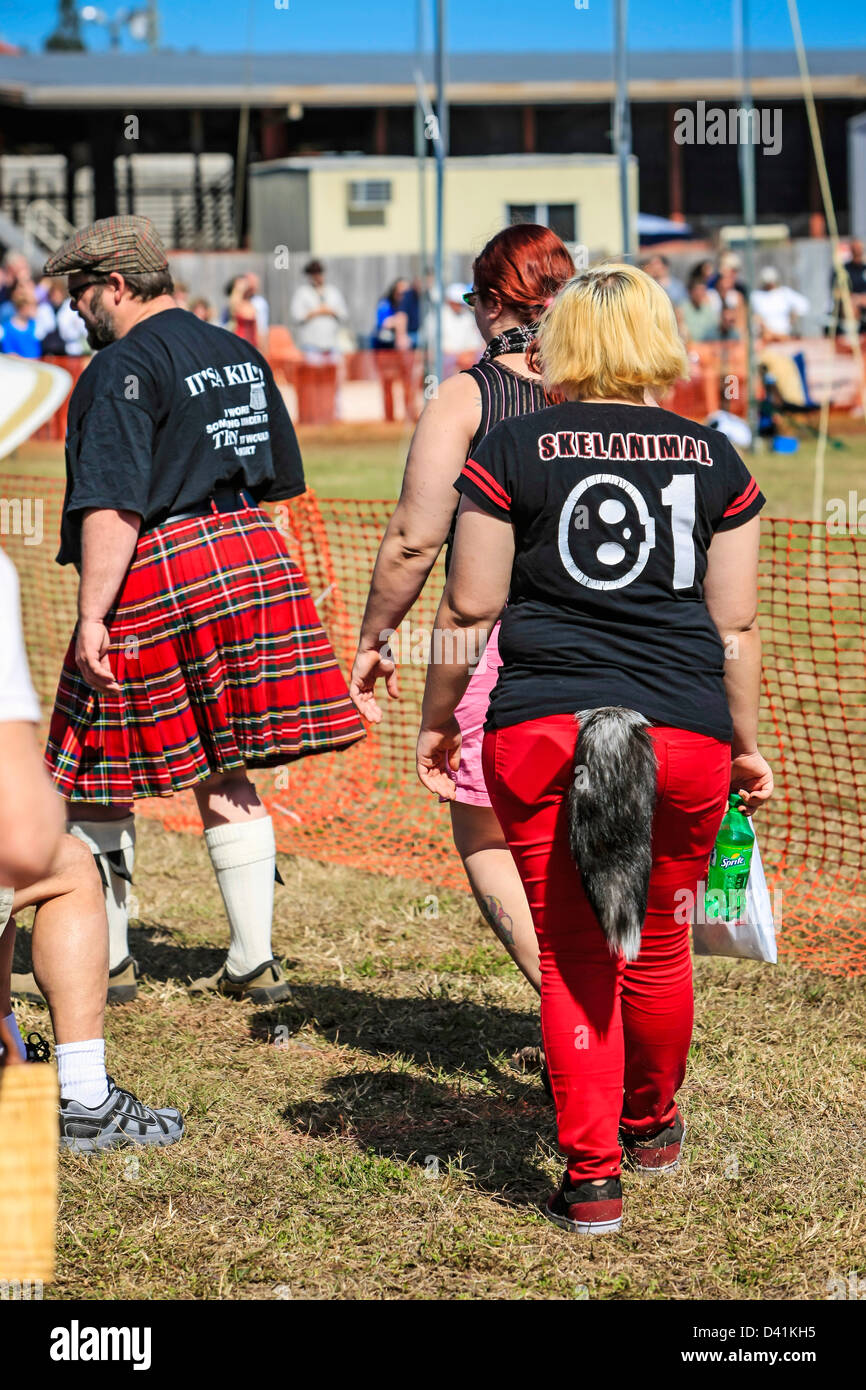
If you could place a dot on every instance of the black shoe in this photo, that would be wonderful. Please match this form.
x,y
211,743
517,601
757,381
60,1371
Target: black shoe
x,y
37,1048
123,982
659,1154
121,1121
586,1209
265,985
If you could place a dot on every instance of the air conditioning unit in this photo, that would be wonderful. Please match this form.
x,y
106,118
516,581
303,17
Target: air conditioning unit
x,y
369,195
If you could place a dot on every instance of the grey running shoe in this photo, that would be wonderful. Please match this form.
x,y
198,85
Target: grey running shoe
x,y
121,1121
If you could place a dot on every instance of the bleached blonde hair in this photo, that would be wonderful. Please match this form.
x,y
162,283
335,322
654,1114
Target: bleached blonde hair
x,y
611,331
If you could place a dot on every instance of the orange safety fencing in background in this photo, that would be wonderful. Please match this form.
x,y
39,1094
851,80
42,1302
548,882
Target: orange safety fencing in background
x,y
365,807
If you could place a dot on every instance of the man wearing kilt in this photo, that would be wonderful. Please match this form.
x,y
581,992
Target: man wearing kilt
x,y
198,652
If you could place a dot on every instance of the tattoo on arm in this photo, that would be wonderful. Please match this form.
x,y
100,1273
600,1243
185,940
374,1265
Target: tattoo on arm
x,y
496,917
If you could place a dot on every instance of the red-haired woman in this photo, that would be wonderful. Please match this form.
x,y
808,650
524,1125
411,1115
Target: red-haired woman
x,y
516,275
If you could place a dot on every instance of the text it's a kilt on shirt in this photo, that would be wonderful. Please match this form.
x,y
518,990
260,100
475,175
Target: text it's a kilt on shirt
x,y
216,644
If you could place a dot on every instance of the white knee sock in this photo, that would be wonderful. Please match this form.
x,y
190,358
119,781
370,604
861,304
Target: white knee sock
x,y
112,843
81,1071
244,857
12,1024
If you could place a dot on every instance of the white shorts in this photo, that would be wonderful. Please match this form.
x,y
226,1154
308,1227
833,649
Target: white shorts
x,y
6,898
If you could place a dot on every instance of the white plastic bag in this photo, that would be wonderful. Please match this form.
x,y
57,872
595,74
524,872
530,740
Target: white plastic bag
x,y
753,936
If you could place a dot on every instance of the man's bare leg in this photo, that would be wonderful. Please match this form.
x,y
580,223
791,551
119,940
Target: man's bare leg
x,y
70,962
228,798
70,942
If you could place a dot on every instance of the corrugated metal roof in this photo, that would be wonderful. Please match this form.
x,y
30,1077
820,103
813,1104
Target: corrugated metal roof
x,y
383,70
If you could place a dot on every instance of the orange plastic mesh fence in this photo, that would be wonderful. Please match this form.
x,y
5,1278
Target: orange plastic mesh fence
x,y
365,807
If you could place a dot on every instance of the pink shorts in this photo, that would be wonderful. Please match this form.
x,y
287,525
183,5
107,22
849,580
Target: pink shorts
x,y
471,714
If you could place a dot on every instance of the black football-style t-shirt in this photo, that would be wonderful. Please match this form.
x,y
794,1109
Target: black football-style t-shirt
x,y
167,413
613,508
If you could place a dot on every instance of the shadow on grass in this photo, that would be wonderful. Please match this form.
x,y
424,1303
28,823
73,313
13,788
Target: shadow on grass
x,y
158,957
440,1121
491,1136
434,1030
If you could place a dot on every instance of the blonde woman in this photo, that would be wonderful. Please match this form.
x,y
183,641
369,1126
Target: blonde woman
x,y
626,541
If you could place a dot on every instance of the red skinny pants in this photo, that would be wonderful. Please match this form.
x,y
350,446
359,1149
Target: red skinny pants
x,y
616,1035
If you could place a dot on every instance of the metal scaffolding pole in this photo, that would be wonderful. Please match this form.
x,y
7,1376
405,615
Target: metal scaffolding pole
x,y
746,159
421,112
622,123
441,150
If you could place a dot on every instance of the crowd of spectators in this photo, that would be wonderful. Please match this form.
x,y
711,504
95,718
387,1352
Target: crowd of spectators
x,y
713,308
712,305
36,319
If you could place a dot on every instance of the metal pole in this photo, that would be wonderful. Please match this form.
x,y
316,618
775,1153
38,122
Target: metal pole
x,y
421,156
746,159
441,148
622,123
153,25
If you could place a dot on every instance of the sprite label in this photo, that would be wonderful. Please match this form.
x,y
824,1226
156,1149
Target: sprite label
x,y
730,863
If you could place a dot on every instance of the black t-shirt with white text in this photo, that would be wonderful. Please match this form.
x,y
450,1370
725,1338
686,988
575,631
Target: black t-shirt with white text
x,y
613,508
167,413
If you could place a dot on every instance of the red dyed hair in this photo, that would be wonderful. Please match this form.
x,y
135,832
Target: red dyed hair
x,y
523,267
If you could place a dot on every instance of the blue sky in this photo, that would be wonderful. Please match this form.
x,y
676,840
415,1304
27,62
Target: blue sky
x,y
352,25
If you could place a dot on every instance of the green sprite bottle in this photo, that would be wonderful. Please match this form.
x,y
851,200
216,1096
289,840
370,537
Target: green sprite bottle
x,y
730,863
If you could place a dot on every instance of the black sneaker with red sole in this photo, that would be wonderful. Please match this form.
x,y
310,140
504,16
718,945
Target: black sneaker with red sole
x,y
656,1155
586,1209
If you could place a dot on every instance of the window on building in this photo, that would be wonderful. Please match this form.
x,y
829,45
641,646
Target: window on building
x,y
367,202
561,218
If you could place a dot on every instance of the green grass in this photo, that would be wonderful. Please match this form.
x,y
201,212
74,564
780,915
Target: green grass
x,y
388,1148
369,464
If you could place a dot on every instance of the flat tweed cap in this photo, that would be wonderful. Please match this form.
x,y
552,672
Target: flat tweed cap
x,y
130,245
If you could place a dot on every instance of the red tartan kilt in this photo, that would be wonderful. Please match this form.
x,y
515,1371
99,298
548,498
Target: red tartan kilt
x,y
222,663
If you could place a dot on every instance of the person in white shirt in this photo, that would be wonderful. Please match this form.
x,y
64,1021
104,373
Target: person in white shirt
x,y
776,307
319,312
42,867
59,327
460,335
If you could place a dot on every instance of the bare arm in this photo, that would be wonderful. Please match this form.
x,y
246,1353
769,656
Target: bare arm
x,y
108,540
731,596
31,812
416,532
474,597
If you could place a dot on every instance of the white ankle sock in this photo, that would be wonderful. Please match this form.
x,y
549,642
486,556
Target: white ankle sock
x,y
244,857
12,1025
81,1071
104,837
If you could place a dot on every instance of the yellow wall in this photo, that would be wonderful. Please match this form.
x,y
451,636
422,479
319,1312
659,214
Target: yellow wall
x,y
476,194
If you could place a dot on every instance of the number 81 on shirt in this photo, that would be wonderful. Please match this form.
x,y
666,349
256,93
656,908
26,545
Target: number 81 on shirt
x,y
678,495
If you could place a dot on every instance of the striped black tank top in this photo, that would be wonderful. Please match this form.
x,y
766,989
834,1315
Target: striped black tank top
x,y
503,393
